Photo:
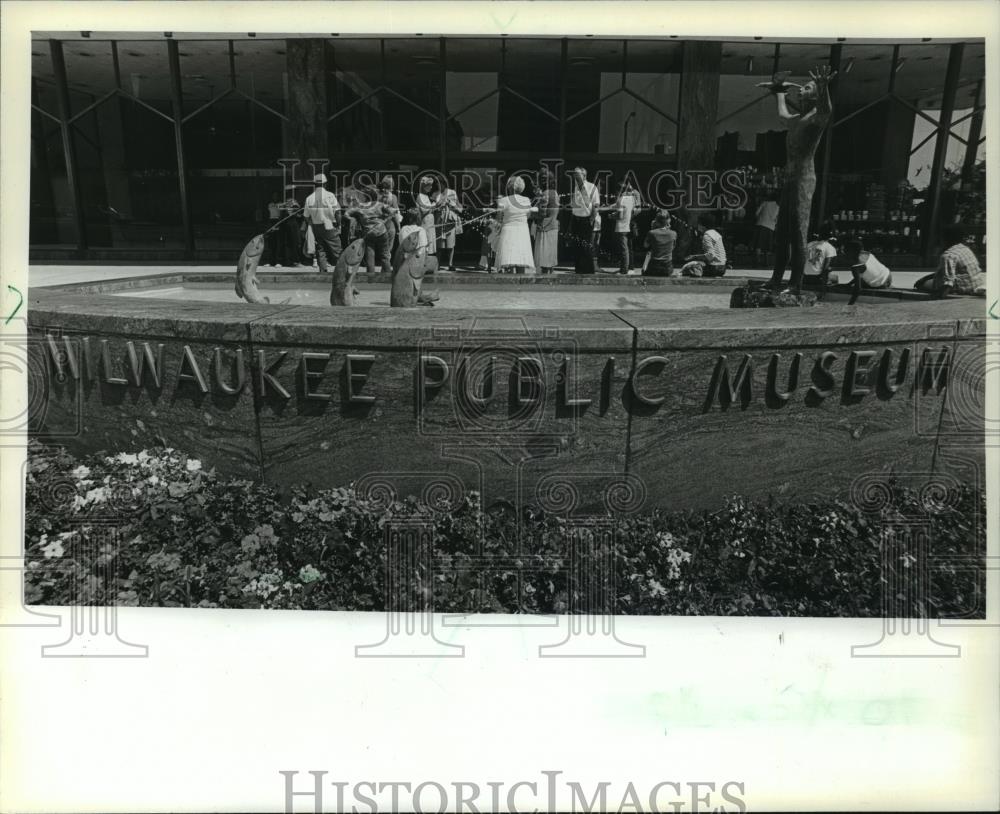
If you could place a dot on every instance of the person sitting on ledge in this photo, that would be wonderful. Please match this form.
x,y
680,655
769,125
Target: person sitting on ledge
x,y
659,245
820,252
713,251
958,269
866,269
413,222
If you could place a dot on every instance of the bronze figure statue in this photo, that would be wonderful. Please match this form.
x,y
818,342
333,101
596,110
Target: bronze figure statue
x,y
806,118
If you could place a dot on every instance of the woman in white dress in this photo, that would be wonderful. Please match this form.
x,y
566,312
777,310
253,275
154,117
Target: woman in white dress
x,y
514,243
429,203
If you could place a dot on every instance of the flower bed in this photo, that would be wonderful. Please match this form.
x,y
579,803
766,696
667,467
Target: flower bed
x,y
189,538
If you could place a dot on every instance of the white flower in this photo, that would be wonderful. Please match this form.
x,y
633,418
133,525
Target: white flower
x,y
98,495
153,480
127,458
309,574
81,472
53,550
193,465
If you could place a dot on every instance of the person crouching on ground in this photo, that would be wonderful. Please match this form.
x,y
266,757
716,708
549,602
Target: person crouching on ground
x,y
659,246
958,269
867,270
713,252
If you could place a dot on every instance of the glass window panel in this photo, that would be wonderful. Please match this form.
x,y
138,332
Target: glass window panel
x,y
748,59
474,129
356,70
355,75
127,168
476,55
43,80
920,72
90,72
205,71
261,70
747,129
473,72
406,128
531,67
51,207
864,76
800,58
594,67
413,70
358,129
973,62
145,72
523,127
629,126
232,133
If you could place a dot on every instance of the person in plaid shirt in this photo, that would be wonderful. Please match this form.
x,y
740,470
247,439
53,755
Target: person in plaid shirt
x,y
958,269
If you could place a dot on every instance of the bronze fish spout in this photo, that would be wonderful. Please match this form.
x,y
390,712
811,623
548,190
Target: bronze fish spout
x,y
342,291
246,271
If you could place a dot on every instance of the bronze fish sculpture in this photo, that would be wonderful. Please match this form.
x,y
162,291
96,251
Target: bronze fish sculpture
x,y
342,291
246,271
408,274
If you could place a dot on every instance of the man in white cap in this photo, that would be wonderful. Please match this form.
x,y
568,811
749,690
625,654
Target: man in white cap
x,y
322,212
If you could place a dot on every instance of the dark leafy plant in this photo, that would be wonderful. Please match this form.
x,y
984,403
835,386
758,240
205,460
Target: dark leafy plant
x,y
172,534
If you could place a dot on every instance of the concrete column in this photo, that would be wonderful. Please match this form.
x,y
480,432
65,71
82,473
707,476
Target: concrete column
x,y
702,62
305,131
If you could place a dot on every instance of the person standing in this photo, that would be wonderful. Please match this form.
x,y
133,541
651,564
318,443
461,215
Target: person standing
x,y
514,243
546,252
659,244
623,226
585,201
350,197
289,244
370,215
270,257
394,218
322,212
767,218
428,205
450,227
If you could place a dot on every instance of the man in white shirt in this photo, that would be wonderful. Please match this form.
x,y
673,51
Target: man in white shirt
x,y
623,225
585,201
322,213
868,271
819,257
713,250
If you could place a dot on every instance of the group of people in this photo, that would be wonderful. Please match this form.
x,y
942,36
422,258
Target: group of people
x,y
522,235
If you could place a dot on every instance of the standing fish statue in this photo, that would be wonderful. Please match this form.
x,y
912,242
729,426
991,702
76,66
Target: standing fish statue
x,y
246,271
408,274
343,292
